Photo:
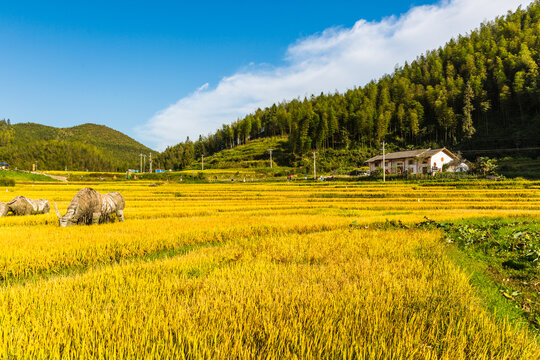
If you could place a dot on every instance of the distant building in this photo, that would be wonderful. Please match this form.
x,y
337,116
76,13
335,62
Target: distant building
x,y
4,166
159,171
461,167
414,161
133,171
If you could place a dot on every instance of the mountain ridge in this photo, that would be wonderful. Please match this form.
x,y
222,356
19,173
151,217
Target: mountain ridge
x,y
87,146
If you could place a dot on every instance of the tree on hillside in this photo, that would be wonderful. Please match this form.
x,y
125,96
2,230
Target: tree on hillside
x,y
467,126
485,82
6,132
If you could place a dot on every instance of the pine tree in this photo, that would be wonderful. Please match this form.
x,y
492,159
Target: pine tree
x,y
467,127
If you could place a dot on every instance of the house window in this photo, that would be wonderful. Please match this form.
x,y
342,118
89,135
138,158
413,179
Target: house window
x,y
442,159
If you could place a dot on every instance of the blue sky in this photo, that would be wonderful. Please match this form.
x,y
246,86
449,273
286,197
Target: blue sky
x,y
136,65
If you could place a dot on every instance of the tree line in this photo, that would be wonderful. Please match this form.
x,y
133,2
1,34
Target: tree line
x,y
479,91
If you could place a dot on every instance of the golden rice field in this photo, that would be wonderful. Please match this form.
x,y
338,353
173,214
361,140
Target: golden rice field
x,y
253,270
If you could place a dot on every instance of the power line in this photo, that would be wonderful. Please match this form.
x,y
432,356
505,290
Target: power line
x,y
501,150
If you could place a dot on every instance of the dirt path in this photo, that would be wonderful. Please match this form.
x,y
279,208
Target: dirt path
x,y
56,177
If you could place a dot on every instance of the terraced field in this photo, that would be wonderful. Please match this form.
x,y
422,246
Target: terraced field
x,y
254,270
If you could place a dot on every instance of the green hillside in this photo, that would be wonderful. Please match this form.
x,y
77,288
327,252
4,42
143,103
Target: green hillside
x,y
253,154
84,147
113,142
478,94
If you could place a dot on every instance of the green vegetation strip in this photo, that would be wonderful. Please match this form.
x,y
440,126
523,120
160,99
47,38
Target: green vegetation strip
x,y
9,177
502,257
509,250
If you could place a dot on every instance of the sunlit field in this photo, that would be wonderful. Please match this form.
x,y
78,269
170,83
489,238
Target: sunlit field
x,y
254,270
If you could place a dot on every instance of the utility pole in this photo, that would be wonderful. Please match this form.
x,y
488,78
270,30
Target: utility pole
x,y
202,162
150,162
140,168
270,150
144,166
314,166
384,164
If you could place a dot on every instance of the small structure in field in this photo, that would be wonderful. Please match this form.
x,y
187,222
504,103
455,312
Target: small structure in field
x,y
459,166
22,205
160,171
413,161
90,207
4,166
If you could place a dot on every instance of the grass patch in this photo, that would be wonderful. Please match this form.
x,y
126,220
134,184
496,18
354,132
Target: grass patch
x,y
7,182
9,177
487,288
503,257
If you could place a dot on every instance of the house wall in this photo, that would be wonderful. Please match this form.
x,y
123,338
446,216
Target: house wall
x,y
440,159
414,165
406,164
393,165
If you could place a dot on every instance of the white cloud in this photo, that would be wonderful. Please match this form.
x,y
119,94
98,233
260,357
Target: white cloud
x,y
336,59
203,87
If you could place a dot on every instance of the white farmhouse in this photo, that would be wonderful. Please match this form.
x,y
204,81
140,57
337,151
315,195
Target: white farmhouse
x,y
413,161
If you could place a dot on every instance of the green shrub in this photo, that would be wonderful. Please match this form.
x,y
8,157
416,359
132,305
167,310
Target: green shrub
x,y
7,182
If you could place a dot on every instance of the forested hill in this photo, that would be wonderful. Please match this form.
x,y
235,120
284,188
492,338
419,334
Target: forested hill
x,y
84,147
479,91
